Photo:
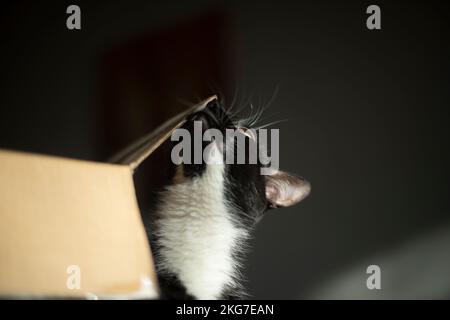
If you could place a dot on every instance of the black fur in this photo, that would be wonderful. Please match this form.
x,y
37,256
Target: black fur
x,y
244,188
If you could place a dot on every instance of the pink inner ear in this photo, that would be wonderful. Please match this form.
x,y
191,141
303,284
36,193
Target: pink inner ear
x,y
284,189
271,191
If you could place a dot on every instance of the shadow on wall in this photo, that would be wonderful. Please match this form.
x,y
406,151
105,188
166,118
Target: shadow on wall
x,y
418,269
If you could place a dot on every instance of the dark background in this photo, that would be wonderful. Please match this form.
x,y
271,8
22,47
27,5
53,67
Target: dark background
x,y
368,112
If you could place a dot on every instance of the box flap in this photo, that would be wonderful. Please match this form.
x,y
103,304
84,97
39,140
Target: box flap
x,y
139,150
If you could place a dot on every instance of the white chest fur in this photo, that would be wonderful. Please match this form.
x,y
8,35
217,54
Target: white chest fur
x,y
196,234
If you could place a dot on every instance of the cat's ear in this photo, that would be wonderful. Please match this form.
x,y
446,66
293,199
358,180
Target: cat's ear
x,y
284,189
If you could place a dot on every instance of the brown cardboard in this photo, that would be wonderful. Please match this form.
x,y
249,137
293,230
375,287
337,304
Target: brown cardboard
x,y
57,212
134,154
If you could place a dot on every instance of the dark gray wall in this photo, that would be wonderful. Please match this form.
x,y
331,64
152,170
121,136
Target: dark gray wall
x,y
368,114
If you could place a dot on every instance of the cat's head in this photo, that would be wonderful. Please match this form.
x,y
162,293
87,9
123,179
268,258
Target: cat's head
x,y
248,189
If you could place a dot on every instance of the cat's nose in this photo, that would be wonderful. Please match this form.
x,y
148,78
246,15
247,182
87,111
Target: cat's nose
x,y
209,118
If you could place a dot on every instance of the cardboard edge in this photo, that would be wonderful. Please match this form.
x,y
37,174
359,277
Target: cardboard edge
x,y
134,154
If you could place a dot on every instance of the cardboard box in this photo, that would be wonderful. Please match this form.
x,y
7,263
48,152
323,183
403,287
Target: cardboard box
x,y
72,228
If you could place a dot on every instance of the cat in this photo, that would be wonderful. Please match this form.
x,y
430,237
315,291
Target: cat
x,y
200,227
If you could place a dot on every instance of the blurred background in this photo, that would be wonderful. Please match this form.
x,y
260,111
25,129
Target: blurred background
x,y
368,119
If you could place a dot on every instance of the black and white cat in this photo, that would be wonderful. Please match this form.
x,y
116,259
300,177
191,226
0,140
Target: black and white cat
x,y
205,216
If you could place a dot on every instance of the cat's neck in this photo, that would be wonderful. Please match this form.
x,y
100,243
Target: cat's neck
x,y
197,239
